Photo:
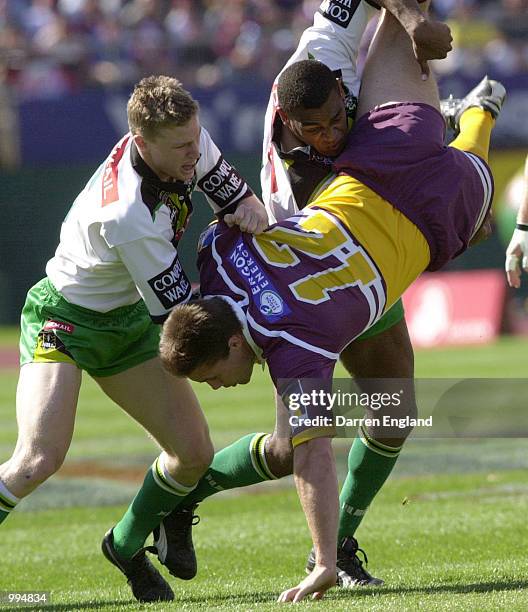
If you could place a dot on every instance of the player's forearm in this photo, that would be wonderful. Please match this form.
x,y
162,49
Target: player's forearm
x,y
407,12
316,482
522,215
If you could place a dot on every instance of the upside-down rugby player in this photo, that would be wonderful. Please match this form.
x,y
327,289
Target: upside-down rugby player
x,y
302,134
297,295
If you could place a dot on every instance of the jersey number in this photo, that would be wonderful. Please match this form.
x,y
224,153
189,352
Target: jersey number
x,y
319,236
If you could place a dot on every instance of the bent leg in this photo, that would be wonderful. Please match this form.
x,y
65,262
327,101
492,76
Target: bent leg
x,y
168,409
47,395
252,459
391,73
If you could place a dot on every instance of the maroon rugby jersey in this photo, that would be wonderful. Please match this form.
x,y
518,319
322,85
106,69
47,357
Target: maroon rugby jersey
x,y
302,311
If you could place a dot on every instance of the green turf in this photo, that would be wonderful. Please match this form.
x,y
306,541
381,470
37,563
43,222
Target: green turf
x,y
446,532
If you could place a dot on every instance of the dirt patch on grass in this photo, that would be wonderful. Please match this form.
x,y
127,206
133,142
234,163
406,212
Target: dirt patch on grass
x,y
93,469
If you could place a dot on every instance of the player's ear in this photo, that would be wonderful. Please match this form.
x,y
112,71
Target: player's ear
x,y
140,143
282,115
340,88
236,341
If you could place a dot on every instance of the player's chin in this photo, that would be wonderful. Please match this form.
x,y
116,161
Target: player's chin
x,y
187,172
335,150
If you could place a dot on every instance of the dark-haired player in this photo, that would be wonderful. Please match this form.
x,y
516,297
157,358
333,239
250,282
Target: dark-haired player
x,y
307,122
297,295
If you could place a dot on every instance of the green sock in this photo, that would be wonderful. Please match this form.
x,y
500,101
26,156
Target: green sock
x,y
239,465
8,501
369,465
158,496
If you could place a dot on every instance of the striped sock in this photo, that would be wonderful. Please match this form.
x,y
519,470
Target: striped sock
x,y
158,496
369,464
241,464
8,501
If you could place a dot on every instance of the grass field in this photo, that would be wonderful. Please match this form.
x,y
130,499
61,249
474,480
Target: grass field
x,y
447,532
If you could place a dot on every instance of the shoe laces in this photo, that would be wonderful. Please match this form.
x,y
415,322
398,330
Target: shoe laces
x,y
179,529
349,561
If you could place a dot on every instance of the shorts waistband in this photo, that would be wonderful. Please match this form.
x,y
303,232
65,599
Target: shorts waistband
x,y
121,312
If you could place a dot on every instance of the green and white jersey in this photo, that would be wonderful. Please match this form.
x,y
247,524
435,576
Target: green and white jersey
x,y
290,179
118,243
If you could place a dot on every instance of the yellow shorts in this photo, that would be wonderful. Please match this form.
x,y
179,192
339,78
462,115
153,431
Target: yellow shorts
x,y
395,244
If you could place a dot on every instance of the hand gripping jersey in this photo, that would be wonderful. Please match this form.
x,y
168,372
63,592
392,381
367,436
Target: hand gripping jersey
x,y
119,240
291,179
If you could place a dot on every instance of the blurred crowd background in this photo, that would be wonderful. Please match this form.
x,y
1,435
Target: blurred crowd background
x,y
67,68
52,47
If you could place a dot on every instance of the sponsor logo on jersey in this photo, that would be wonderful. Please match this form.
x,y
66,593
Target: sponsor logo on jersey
x,y
339,12
266,296
271,303
59,325
110,191
172,287
222,184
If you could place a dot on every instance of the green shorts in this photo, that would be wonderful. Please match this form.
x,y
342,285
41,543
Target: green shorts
x,y
103,344
394,315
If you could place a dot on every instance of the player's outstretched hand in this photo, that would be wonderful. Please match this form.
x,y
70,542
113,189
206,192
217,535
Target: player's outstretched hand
x,y
250,215
430,40
517,253
317,583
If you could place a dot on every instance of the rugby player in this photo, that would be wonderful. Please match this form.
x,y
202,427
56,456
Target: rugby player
x,y
306,125
114,278
297,295
517,251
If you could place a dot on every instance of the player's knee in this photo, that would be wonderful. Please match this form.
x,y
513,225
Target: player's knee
x,y
195,463
35,468
279,456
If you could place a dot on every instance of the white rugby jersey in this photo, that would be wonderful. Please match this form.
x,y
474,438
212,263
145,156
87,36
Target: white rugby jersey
x,y
118,242
334,40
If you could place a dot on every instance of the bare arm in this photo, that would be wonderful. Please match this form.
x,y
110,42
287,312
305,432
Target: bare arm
x,y
316,481
517,251
430,39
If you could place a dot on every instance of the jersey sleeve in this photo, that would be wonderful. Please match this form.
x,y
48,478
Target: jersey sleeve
x,y
218,180
334,38
303,379
156,270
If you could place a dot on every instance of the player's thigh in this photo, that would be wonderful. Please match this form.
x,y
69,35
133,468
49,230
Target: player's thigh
x,y
384,364
46,404
388,354
391,72
166,406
